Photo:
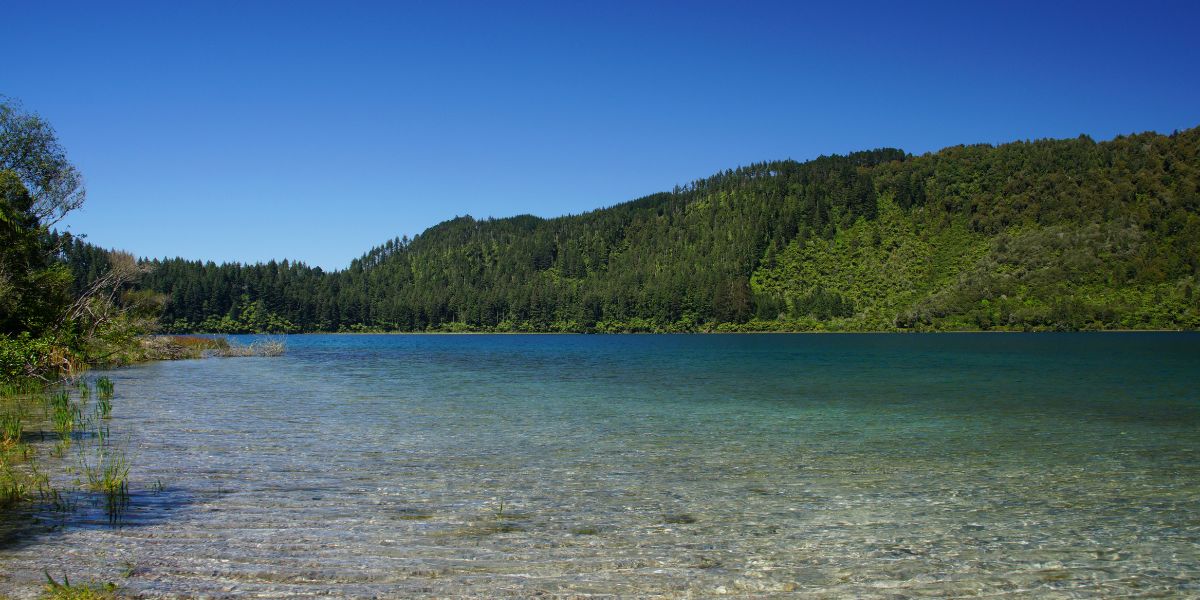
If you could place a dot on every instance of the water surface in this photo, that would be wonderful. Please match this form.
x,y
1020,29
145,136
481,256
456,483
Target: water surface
x,y
871,466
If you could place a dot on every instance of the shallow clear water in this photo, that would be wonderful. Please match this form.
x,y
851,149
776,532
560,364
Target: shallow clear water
x,y
871,466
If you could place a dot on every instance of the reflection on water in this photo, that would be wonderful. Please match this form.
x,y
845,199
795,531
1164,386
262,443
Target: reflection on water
x,y
825,466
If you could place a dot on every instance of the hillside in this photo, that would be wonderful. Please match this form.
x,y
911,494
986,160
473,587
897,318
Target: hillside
x,y
1051,234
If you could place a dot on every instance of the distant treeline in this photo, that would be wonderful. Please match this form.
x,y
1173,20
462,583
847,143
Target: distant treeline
x,y
1052,234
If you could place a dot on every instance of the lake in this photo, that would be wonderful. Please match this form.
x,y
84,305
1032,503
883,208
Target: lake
x,y
869,466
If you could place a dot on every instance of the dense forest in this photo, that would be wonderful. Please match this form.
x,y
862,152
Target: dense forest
x,y
1051,234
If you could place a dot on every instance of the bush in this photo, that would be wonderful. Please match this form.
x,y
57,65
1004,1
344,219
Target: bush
x,y
25,356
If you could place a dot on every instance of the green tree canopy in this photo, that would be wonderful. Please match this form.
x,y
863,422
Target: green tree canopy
x,y
30,149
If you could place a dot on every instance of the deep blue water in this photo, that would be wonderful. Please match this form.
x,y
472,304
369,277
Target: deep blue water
x,y
816,465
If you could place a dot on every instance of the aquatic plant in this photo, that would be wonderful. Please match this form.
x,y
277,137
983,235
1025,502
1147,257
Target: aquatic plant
x,y
679,519
109,475
38,479
500,520
266,347
19,388
236,351
57,501
179,347
64,416
28,470
413,514
104,388
11,429
482,529
66,591
104,407
270,347
13,487
59,397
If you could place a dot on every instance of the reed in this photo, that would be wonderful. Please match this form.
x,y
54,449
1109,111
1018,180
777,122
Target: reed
x,y
199,342
104,388
266,347
103,434
58,502
12,427
29,470
65,416
178,347
109,475
60,397
13,486
104,407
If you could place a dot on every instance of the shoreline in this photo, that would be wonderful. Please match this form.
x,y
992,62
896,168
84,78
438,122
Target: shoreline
x,y
872,332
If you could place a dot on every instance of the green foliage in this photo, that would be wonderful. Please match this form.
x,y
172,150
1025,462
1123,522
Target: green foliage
x,y
24,356
104,395
63,303
30,150
30,409
104,388
867,272
1062,277
34,289
1051,234
109,475
11,428
64,414
68,591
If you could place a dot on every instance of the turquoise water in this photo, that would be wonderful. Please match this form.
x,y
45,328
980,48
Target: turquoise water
x,y
871,466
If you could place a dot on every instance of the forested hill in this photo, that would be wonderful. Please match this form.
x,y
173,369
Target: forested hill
x,y
1052,234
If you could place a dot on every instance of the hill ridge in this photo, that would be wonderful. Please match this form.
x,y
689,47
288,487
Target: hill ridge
x,y
1043,234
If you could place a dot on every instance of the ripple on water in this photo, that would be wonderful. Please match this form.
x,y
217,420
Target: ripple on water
x,y
674,466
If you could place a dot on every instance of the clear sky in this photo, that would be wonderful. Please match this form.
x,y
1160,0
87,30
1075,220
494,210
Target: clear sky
x,y
257,130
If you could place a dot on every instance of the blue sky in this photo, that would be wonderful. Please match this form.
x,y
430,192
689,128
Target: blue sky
x,y
257,130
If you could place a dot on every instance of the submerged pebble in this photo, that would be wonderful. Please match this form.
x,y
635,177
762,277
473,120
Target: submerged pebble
x,y
500,466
